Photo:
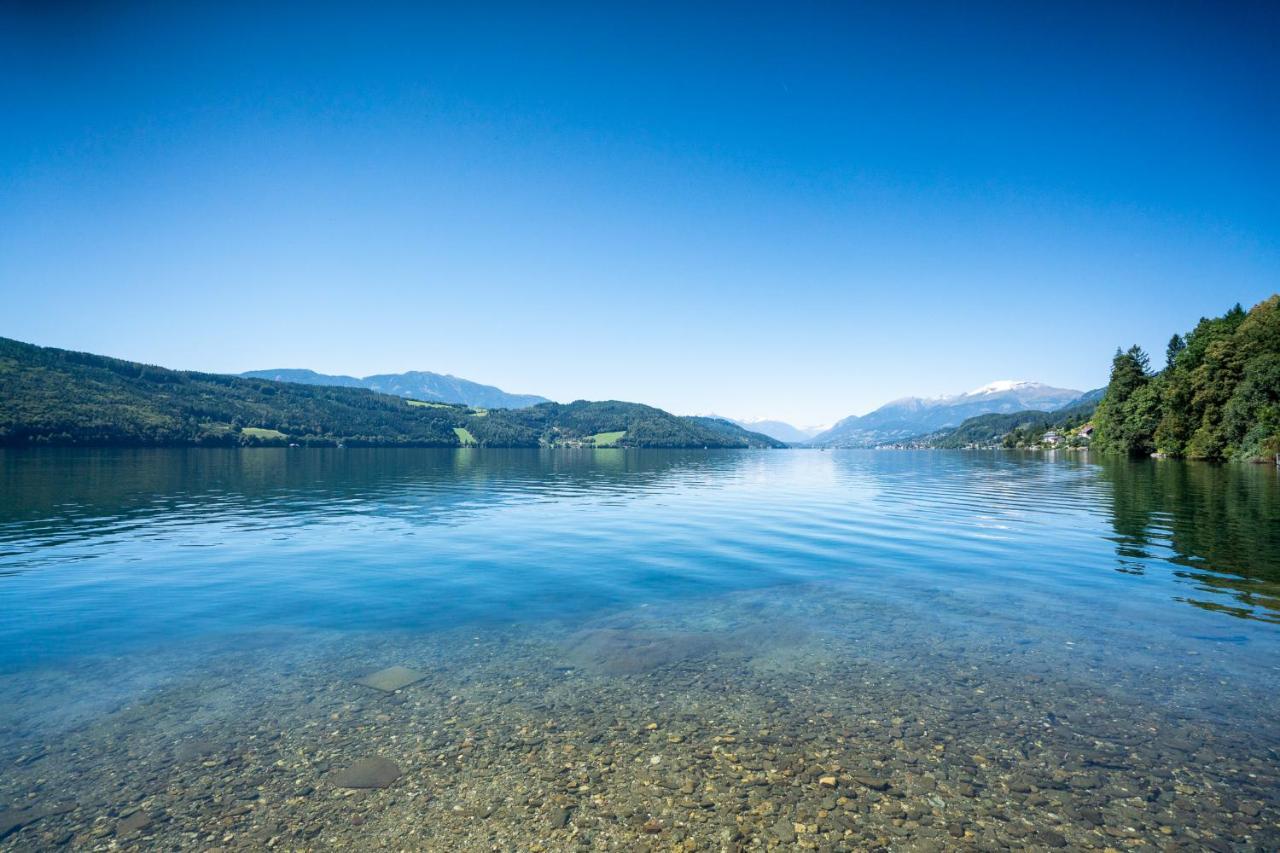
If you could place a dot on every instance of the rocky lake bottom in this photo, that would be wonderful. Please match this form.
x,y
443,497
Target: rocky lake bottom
x,y
768,719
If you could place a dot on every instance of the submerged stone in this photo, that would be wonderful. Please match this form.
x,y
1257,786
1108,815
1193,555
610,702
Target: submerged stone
x,y
375,772
875,783
188,750
13,819
627,652
391,679
135,822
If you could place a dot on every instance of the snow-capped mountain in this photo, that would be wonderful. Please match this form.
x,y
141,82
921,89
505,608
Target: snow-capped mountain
x,y
912,416
1000,386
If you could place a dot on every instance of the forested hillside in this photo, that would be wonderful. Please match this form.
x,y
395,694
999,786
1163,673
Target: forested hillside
x,y
58,397
1218,396
998,429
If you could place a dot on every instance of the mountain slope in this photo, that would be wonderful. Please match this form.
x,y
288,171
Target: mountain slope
x,y
57,397
915,416
415,384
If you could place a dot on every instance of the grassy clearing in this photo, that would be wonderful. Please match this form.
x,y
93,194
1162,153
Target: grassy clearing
x,y
259,432
465,437
423,405
607,439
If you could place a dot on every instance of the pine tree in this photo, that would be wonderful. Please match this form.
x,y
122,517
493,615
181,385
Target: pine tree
x,y
1119,427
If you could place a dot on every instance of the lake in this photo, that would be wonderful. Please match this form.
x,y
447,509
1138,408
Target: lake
x,y
637,649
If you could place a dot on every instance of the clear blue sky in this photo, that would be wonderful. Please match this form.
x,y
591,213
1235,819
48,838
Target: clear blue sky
x,y
799,211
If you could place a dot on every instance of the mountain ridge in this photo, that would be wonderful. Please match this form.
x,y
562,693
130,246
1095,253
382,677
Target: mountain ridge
x,y
412,384
910,417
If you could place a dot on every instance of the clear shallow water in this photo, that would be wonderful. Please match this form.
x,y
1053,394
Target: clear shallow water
x,y
1074,651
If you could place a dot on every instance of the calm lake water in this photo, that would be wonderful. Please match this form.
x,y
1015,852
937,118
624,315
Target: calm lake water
x,y
620,649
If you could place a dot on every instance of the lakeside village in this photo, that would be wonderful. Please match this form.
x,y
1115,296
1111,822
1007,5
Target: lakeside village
x,y
1030,437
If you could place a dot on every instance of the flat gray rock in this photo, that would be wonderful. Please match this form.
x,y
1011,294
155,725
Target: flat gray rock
x,y
135,822
189,750
391,679
376,772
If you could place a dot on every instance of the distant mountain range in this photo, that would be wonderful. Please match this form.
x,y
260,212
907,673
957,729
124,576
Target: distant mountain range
x,y
415,384
900,420
781,430
57,397
916,416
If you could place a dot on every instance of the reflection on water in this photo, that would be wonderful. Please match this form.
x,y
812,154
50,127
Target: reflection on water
x,y
1213,529
1219,523
616,648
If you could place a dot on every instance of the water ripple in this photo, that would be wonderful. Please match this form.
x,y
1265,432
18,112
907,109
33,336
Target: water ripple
x,y
103,548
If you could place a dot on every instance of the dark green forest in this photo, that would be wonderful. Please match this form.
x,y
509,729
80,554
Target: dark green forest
x,y
1217,396
57,397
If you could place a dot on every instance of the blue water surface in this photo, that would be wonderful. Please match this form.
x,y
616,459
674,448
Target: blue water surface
x,y
112,549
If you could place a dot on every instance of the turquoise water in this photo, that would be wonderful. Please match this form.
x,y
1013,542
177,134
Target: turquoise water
x,y
1067,620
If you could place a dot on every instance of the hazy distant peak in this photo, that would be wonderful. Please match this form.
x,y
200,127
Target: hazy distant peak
x,y
780,430
415,384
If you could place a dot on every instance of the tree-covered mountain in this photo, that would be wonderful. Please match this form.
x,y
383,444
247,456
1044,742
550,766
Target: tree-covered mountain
x,y
57,397
915,416
1217,397
415,384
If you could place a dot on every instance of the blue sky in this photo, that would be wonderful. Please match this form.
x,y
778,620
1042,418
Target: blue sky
x,y
798,211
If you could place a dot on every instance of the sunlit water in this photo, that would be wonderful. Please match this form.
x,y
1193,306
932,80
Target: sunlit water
x,y
721,650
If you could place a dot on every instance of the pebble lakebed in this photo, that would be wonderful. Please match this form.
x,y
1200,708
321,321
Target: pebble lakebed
x,y
758,720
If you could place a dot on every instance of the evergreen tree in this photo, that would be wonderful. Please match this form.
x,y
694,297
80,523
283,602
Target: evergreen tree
x,y
1116,427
